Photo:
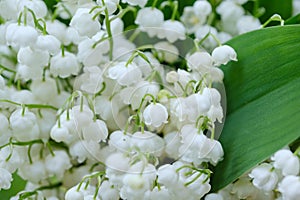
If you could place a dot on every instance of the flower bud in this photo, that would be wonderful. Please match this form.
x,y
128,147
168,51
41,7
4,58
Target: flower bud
x,y
223,54
155,115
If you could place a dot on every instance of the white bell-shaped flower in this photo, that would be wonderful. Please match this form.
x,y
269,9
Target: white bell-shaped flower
x,y
156,193
44,89
198,104
90,81
147,142
24,126
107,191
191,20
213,95
59,30
33,57
172,77
173,142
125,75
5,179
60,134
83,116
264,177
119,141
95,131
34,172
132,184
190,143
116,26
74,194
202,8
140,3
37,6
84,23
134,95
247,23
285,160
212,151
46,120
199,60
230,10
200,186
64,66
29,73
155,114
149,20
172,31
111,5
4,124
223,54
148,171
202,31
57,164
15,159
19,35
214,196
197,148
289,187
167,51
82,150
48,43
215,113
9,10
22,96
117,161
89,54
167,175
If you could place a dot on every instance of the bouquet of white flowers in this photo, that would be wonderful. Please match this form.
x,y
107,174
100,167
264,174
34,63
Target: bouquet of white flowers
x,y
125,100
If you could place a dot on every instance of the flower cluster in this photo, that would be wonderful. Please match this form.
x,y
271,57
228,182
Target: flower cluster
x,y
89,111
276,178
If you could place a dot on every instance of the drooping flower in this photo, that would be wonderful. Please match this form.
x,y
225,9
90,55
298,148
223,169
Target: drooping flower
x,y
155,115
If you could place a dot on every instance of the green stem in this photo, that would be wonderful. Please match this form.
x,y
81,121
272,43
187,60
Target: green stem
x,y
19,18
134,35
99,41
108,28
297,151
29,154
193,180
25,16
216,39
101,90
94,8
275,17
123,12
62,50
175,10
40,106
7,69
23,143
97,188
25,195
154,3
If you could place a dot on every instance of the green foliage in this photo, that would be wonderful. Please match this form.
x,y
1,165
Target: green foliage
x,y
293,20
17,185
282,7
263,90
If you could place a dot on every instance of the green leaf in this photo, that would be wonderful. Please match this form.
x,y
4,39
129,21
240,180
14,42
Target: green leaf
x,y
281,7
17,185
263,100
293,20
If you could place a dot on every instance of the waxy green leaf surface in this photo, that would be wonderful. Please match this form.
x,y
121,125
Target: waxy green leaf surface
x,y
263,100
